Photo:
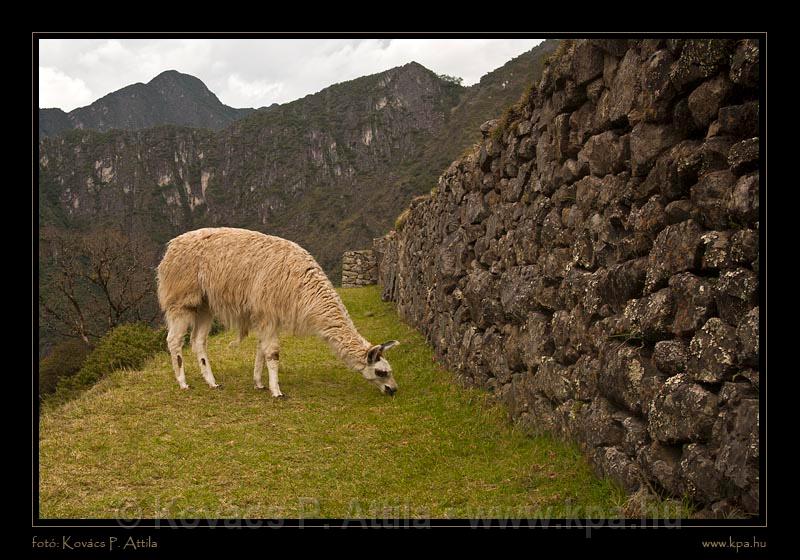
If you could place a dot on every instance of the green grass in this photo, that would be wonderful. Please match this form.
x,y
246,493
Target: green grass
x,y
137,446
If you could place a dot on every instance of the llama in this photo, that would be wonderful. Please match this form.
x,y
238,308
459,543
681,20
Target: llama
x,y
260,283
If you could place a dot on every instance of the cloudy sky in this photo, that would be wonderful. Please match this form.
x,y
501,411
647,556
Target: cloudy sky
x,y
252,72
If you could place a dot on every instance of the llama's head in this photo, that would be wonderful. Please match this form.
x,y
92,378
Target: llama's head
x,y
378,369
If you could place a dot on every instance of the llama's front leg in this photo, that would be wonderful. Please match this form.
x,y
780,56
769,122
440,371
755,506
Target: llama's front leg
x,y
200,347
272,355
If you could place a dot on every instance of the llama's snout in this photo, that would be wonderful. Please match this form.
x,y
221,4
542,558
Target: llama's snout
x,y
389,390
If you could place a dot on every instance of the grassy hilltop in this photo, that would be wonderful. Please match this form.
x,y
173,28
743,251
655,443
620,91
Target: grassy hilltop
x,y
136,446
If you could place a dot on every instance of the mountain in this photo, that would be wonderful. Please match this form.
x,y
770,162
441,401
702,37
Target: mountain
x,y
487,99
169,98
53,121
331,170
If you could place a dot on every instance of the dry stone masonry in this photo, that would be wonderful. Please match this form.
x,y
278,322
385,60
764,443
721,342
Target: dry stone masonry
x,y
359,268
595,262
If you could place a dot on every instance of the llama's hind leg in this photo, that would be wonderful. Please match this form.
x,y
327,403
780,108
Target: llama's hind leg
x,y
259,367
270,349
202,326
238,340
178,323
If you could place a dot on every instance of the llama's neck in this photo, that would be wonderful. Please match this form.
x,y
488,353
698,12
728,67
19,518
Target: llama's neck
x,y
334,325
347,344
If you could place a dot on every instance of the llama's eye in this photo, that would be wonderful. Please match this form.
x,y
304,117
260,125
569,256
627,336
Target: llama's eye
x,y
381,373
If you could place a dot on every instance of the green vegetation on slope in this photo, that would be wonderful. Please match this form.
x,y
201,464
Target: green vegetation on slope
x,y
137,446
126,346
65,360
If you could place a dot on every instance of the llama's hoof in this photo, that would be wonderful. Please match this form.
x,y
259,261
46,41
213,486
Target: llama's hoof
x,y
259,387
216,386
280,396
184,387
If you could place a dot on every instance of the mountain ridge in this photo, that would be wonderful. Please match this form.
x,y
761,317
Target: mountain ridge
x,y
170,97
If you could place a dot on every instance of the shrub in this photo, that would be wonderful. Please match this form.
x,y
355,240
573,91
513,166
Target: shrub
x,y
451,79
563,47
216,328
528,95
508,116
65,360
401,220
126,346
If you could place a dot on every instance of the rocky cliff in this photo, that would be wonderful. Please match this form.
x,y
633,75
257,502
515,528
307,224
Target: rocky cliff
x,y
595,262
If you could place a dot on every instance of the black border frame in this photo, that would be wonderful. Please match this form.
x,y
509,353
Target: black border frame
x,y
220,534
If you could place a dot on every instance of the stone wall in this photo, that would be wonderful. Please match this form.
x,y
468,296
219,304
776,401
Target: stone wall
x,y
359,268
595,263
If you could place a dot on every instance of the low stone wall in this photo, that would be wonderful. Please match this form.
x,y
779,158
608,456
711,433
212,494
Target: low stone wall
x,y
595,263
359,268
385,249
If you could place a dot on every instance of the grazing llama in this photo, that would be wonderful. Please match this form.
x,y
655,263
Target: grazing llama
x,y
251,281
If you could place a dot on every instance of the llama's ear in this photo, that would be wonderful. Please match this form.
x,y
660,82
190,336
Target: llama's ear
x,y
374,354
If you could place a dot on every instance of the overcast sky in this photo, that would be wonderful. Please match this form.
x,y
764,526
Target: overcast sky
x,y
252,72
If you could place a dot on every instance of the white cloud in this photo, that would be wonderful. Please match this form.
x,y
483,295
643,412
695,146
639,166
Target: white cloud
x,y
259,72
246,93
56,89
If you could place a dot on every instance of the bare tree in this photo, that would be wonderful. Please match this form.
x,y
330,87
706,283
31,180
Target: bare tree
x,y
91,282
